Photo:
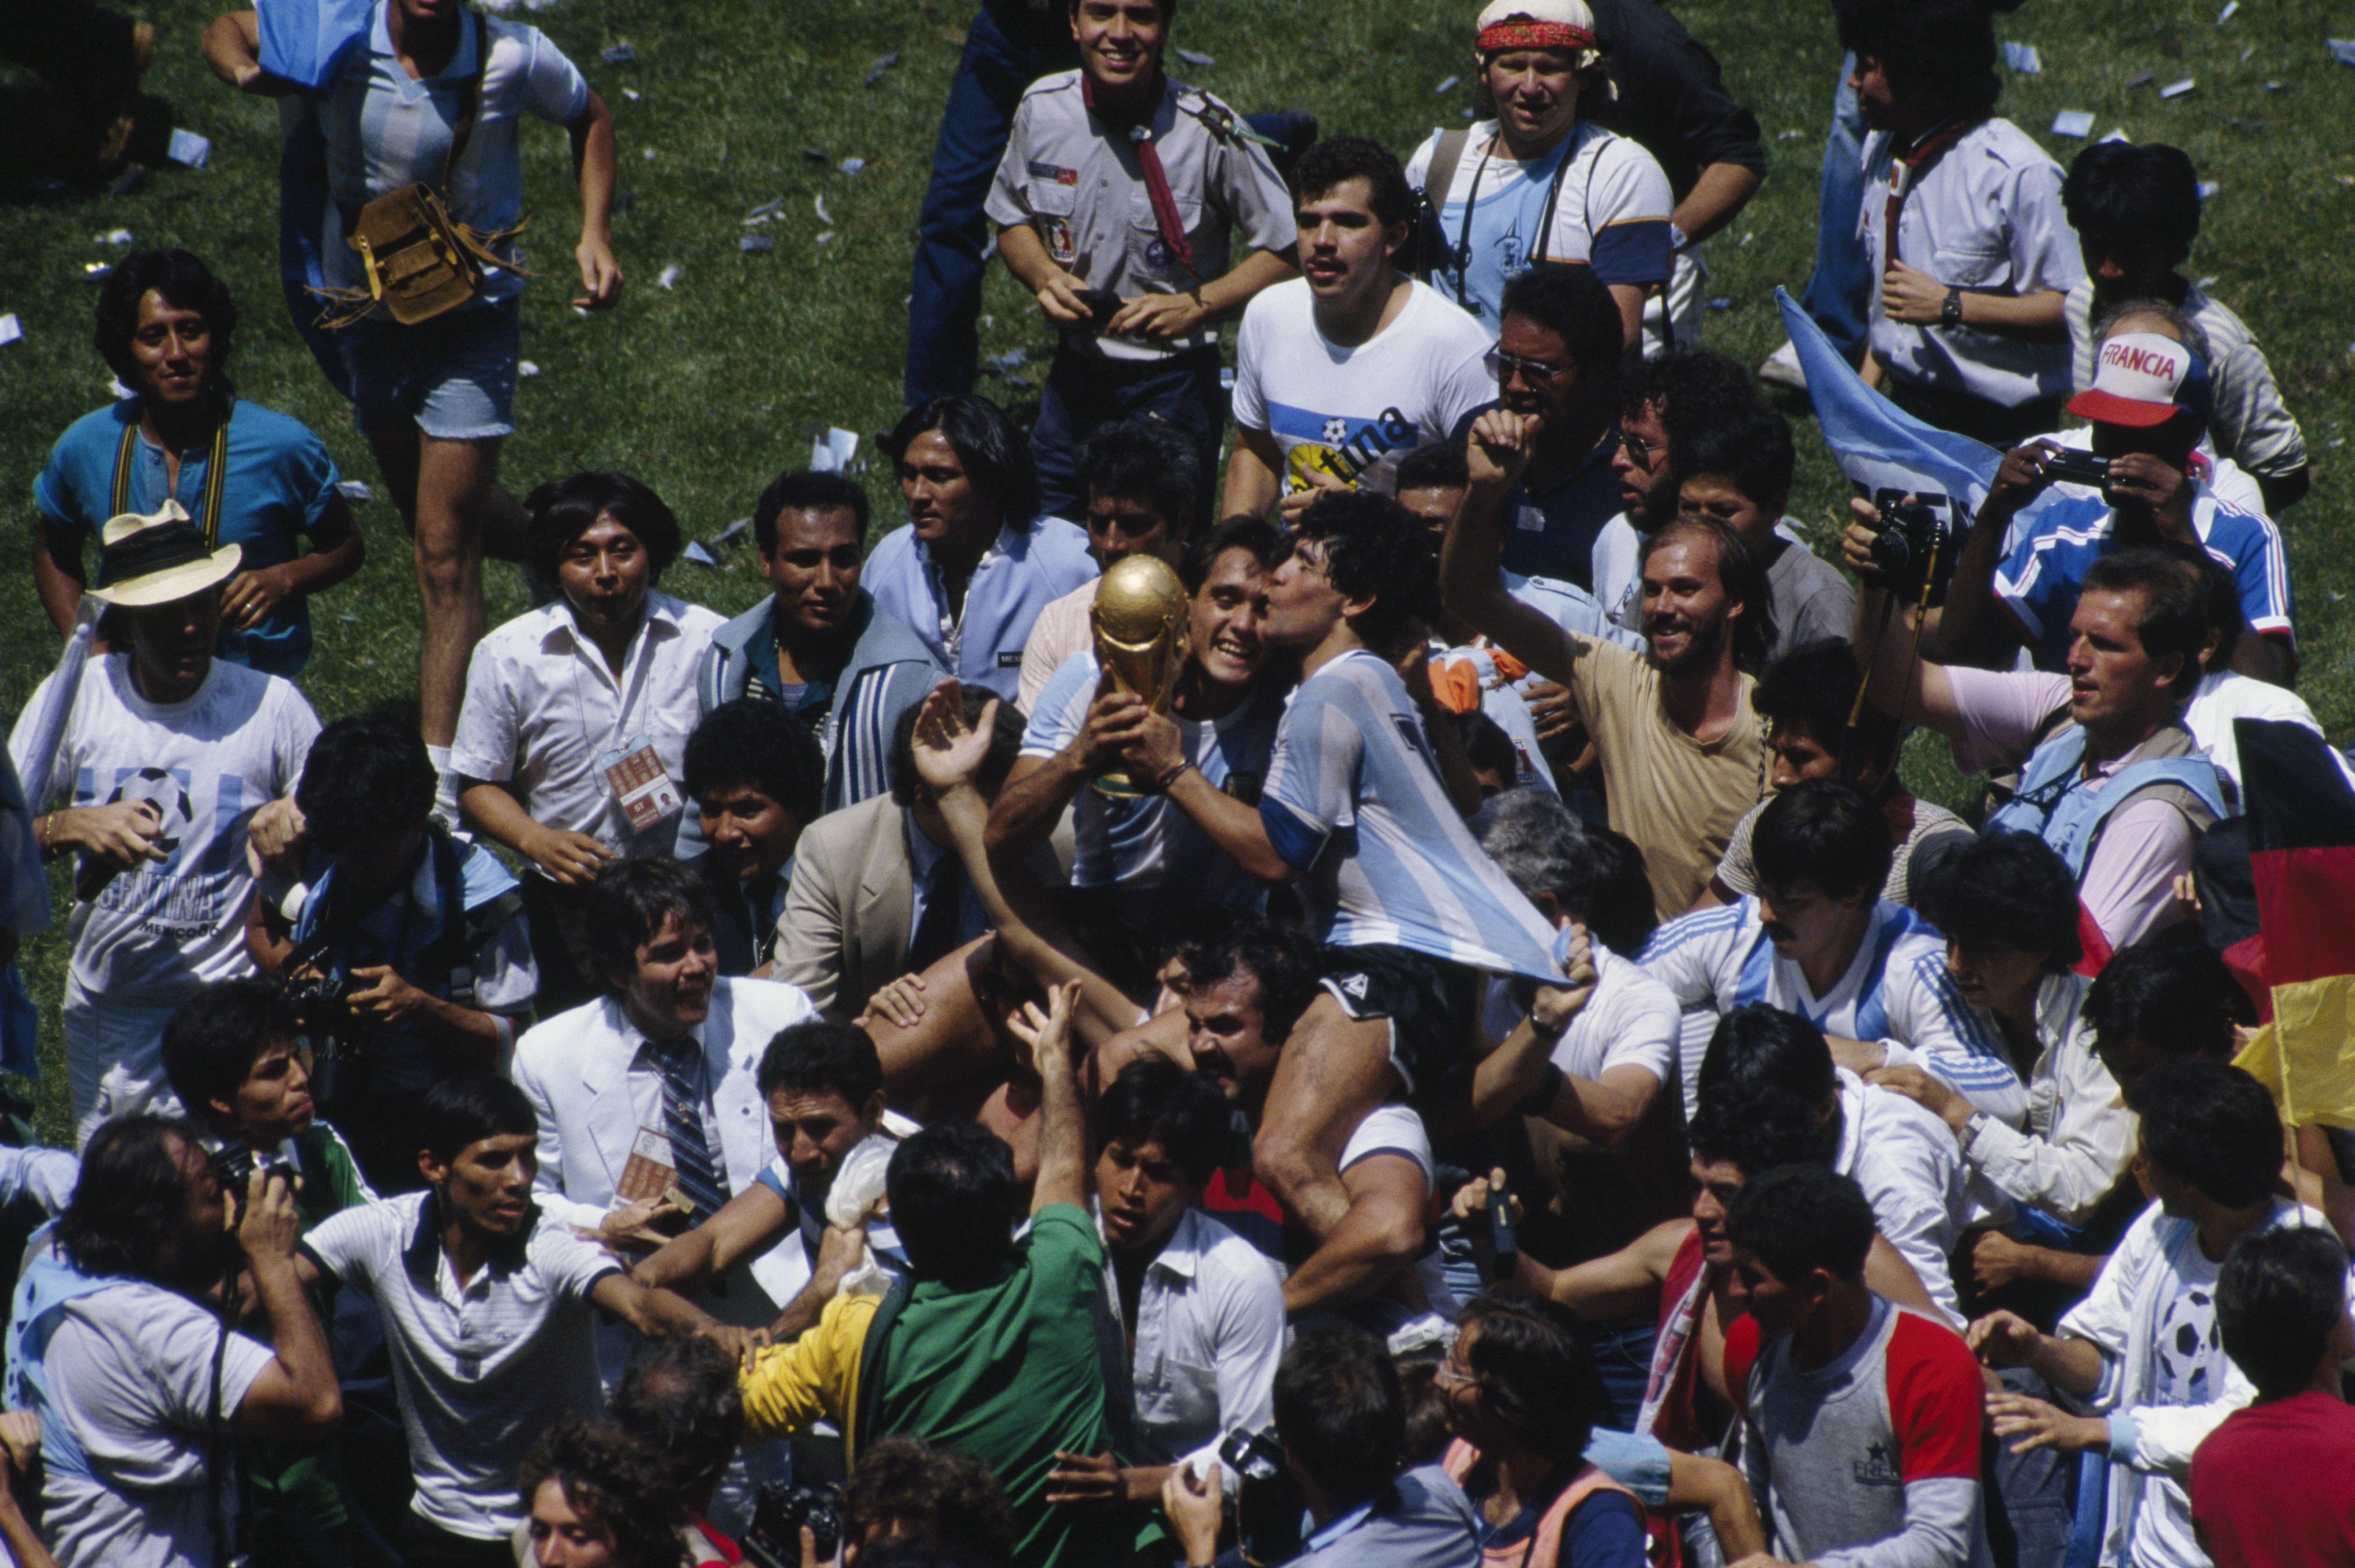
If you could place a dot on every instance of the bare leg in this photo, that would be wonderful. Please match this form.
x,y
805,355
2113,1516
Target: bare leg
x,y
456,480
1163,1034
1333,1072
931,1068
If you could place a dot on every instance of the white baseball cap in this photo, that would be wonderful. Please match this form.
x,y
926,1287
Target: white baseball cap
x,y
2136,379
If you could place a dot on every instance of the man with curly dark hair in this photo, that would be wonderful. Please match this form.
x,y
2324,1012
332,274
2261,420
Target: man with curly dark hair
x,y
249,476
906,1493
598,1500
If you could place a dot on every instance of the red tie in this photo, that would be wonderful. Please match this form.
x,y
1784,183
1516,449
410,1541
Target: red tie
x,y
1137,126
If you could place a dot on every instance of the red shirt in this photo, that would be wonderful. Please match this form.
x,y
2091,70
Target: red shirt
x,y
2274,1487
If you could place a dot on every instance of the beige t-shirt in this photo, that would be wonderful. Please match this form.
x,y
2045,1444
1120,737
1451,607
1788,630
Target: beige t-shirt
x,y
1676,798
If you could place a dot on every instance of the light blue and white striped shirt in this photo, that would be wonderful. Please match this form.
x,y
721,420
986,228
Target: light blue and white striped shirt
x,y
1354,804
1895,990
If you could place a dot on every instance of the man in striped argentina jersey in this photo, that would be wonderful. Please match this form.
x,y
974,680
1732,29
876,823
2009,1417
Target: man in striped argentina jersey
x,y
1408,905
1820,941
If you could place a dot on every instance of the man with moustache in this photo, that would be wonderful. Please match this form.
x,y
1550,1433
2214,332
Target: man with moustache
x,y
1340,373
755,774
815,646
1682,751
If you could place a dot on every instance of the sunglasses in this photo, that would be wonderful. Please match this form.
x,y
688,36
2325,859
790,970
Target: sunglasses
x,y
1535,372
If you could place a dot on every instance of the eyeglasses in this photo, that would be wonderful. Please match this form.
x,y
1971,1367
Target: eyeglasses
x,y
1638,449
1535,372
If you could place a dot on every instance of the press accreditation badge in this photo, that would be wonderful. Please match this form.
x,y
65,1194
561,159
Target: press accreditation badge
x,y
650,1172
641,783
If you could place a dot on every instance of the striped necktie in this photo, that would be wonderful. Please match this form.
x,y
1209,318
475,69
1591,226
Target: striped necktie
x,y
697,1173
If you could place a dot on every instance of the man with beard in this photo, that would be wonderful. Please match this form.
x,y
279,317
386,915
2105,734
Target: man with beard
x,y
1682,754
133,1377
1664,402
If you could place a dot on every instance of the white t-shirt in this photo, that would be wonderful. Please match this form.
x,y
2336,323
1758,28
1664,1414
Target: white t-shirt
x,y
1631,1020
2227,695
131,1375
206,764
2186,1368
1351,413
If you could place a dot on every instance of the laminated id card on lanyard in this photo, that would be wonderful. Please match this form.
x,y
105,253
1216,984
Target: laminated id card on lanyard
x,y
635,774
1907,170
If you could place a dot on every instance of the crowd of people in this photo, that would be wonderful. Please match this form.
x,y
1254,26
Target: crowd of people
x,y
1337,973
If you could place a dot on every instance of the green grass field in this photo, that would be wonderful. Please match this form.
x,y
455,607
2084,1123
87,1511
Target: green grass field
x,y
707,388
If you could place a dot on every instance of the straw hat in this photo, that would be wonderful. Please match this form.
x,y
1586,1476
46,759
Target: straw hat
x,y
158,558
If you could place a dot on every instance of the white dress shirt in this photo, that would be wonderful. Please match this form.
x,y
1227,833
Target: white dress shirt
x,y
2080,1135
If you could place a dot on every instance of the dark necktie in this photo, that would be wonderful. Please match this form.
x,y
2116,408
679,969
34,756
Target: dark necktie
x,y
698,1174
936,928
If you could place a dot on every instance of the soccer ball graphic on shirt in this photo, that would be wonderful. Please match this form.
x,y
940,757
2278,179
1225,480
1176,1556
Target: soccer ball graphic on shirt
x,y
1336,431
159,789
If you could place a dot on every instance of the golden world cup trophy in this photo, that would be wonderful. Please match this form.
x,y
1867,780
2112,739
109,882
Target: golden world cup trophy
x,y
1140,621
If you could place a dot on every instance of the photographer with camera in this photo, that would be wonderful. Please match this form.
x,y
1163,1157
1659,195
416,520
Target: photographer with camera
x,y
2018,574
2120,789
138,1384
1340,1426
406,956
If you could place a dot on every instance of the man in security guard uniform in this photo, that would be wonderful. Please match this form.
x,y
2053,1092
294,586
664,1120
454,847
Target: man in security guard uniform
x,y
1116,204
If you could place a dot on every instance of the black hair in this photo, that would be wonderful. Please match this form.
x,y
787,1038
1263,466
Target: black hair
x,y
1689,389
681,1399
1944,48
2228,622
1155,1100
1757,1047
1434,466
2175,606
1751,447
997,459
1329,162
1824,832
1596,876
186,284
563,509
1374,548
2121,191
752,740
822,1056
1739,573
954,1202
1339,1411
2212,1125
464,1108
1488,748
612,1479
1168,7
130,1199
2008,889
1759,1128
1286,962
2279,1295
216,1036
1810,687
1262,540
2177,998
365,775
1796,1218
806,490
950,1510
1531,1372
628,902
1005,745
1143,458
1569,301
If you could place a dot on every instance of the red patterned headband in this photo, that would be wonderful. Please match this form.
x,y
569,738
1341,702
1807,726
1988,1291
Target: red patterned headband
x,y
1523,34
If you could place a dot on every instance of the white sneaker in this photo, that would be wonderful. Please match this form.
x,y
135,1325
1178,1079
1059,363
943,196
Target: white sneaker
x,y
1782,369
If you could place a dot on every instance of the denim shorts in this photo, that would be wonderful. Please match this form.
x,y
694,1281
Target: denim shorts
x,y
453,376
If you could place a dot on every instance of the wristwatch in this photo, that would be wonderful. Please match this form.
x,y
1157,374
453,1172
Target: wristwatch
x,y
1950,313
1677,241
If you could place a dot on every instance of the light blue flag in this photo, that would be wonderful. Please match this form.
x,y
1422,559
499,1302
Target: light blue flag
x,y
1880,445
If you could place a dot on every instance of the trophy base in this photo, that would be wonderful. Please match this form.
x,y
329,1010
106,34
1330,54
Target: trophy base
x,y
1119,786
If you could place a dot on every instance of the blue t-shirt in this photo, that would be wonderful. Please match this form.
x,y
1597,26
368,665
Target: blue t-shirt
x,y
1162,862
1354,802
1553,534
279,484
2043,573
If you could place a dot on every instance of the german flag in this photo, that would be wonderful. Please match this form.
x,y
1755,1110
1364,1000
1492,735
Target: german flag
x,y
2301,838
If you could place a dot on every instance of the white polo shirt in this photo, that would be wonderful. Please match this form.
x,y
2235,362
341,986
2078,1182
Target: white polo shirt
x,y
542,710
1986,218
481,1368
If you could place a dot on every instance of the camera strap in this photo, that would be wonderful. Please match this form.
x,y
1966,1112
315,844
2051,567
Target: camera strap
x,y
208,504
873,1362
1907,170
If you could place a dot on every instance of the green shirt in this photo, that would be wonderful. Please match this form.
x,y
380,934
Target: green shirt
x,y
1014,1369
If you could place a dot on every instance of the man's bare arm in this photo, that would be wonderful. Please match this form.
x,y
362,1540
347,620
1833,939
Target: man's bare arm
x,y
747,1224
1379,1235
1471,578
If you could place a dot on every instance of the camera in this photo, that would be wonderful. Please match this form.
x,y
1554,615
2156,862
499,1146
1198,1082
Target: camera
x,y
1268,1502
1913,552
321,1000
2071,466
774,1540
234,1165
1102,305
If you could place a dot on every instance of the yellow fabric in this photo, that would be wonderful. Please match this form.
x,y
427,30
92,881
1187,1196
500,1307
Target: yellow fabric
x,y
2306,1055
815,1378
